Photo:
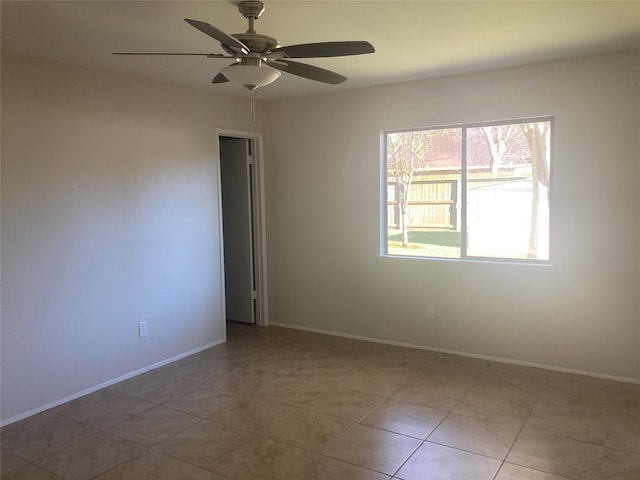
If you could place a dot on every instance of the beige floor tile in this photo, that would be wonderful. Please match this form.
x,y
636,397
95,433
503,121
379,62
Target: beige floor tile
x,y
90,457
275,364
443,367
372,448
384,358
245,349
443,395
343,403
379,382
255,415
252,335
619,465
305,355
321,371
213,358
157,388
558,455
243,381
625,434
526,379
208,373
203,443
566,422
258,458
311,466
273,403
495,401
184,367
153,425
405,418
628,401
232,352
155,466
581,392
304,346
485,437
199,369
42,435
103,408
10,462
291,390
203,402
509,471
133,383
302,428
30,472
406,358
436,462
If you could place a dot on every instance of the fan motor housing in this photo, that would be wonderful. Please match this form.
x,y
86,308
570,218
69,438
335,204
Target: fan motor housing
x,y
256,42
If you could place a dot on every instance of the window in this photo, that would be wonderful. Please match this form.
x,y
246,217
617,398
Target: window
x,y
476,191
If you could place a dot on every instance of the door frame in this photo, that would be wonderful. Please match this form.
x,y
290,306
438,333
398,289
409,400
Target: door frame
x,y
259,224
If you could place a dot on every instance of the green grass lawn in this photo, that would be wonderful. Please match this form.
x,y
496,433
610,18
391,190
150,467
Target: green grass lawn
x,y
425,243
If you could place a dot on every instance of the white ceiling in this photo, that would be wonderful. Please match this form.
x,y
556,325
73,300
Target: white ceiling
x,y
413,39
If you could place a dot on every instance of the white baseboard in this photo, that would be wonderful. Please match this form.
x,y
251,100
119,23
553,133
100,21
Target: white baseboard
x,y
108,383
462,354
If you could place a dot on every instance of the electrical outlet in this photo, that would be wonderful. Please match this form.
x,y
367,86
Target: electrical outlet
x,y
431,311
143,329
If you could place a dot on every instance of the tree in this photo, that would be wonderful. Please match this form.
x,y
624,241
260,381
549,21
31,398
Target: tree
x,y
530,141
406,152
537,135
497,137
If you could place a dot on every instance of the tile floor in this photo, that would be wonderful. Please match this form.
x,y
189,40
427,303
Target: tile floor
x,y
274,403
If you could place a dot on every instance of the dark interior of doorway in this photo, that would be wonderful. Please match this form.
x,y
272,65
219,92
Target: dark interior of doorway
x,y
237,174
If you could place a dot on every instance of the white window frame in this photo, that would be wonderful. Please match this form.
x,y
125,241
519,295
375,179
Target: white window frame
x,y
464,257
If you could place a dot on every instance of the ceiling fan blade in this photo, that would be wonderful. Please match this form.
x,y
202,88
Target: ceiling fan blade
x,y
307,71
219,78
219,35
324,49
208,55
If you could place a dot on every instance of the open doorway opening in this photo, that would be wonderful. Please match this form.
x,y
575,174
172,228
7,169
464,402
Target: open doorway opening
x,y
243,227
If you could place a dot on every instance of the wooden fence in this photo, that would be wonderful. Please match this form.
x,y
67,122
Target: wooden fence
x,y
432,204
435,203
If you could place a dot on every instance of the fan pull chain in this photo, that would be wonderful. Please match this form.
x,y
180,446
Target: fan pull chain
x,y
252,106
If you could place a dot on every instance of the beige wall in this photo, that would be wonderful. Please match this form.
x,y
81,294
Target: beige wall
x,y
323,196
109,217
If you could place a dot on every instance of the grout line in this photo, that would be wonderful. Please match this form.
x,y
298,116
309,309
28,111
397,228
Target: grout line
x,y
359,421
520,431
463,450
604,453
408,458
423,441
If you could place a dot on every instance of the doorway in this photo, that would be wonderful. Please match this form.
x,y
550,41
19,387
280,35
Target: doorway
x,y
243,227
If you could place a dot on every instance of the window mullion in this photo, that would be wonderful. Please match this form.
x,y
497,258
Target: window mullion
x,y
384,186
463,195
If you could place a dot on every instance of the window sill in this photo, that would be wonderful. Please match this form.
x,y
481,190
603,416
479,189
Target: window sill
x,y
482,261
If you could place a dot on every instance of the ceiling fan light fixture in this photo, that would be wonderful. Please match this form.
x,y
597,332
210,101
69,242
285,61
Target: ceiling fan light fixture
x,y
250,76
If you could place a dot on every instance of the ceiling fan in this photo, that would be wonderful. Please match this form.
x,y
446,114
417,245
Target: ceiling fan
x,y
258,59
